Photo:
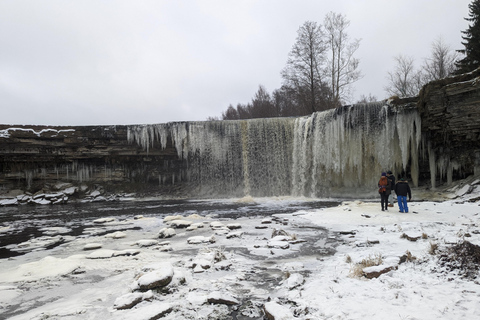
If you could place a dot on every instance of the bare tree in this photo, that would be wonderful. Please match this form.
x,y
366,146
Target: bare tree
x,y
404,81
342,67
441,63
365,99
304,65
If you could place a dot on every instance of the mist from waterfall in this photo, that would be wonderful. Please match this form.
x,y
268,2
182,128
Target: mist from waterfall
x,y
338,152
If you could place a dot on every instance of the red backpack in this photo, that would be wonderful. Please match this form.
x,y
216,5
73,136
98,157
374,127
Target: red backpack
x,y
382,184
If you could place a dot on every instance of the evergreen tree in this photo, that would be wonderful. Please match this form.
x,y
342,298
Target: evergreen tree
x,y
471,38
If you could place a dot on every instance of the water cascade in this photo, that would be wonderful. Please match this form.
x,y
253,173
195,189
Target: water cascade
x,y
335,152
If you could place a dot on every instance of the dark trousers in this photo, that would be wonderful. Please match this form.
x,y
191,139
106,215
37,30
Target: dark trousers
x,y
384,200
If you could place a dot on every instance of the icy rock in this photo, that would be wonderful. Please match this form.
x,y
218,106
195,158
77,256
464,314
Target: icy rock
x,y
146,243
150,311
275,311
127,252
166,233
464,190
103,220
70,191
377,271
216,225
180,223
223,265
129,300
233,226
295,280
195,216
171,218
36,244
237,234
41,201
218,297
51,231
95,194
92,246
412,236
195,226
165,248
202,263
101,254
116,235
8,202
156,279
200,239
267,221
278,244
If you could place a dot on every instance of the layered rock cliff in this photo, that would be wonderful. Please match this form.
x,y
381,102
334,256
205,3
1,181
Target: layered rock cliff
x,y
450,113
433,138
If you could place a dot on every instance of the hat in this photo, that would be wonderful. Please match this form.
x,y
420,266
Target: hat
x,y
389,172
402,179
383,174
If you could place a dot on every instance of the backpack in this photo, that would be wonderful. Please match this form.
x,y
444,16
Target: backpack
x,y
383,184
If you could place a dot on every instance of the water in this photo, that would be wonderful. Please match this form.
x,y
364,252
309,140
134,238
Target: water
x,y
55,224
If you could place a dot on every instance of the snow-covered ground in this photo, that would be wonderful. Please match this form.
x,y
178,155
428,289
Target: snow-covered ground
x,y
304,265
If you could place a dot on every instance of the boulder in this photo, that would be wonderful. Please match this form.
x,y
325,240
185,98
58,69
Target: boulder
x,y
156,279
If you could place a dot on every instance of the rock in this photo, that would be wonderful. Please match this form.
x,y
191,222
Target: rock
x,y
200,239
180,223
8,202
223,265
233,226
295,280
92,246
116,235
101,254
152,311
275,311
266,221
377,271
156,279
171,218
103,220
218,297
166,233
216,225
237,234
129,300
146,243
127,252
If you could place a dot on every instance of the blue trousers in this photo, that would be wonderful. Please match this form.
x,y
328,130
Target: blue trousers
x,y
402,203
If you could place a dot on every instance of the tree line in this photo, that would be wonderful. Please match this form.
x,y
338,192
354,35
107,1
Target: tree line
x,y
321,69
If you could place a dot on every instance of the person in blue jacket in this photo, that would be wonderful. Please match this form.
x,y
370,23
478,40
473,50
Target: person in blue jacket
x,y
402,189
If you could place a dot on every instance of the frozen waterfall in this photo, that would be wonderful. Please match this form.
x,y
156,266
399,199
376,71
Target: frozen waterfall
x,y
335,152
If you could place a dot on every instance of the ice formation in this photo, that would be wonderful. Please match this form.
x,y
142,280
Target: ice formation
x,y
327,153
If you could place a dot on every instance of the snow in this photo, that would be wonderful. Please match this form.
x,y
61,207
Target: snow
x,y
208,280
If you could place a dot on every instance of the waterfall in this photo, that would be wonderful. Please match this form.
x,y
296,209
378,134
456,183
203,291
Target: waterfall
x,y
334,152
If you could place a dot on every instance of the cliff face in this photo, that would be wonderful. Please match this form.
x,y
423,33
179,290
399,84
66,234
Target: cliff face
x,y
34,157
450,113
433,138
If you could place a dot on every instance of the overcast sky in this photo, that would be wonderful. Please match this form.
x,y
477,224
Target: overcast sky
x,y
88,62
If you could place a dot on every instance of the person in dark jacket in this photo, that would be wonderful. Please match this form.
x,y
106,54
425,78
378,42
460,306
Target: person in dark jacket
x,y
384,190
402,189
391,178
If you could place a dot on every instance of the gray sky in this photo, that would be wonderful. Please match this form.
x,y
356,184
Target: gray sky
x,y
87,62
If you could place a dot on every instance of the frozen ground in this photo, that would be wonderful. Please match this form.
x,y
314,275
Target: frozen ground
x,y
305,265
